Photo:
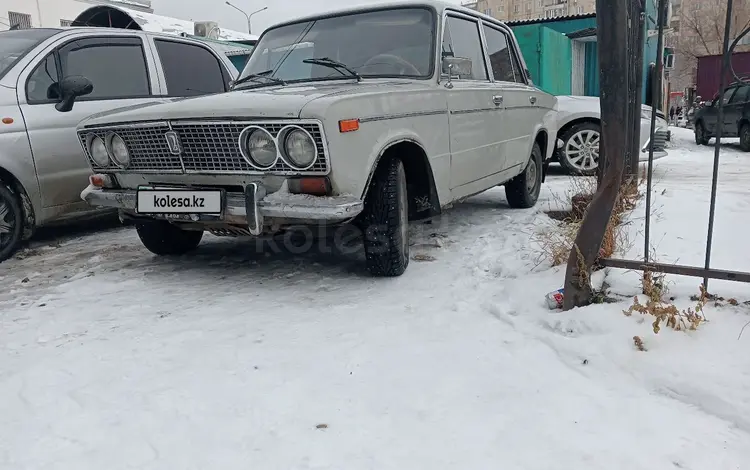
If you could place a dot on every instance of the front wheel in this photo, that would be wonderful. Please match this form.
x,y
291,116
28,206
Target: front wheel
x,y
385,221
11,222
164,239
700,134
523,191
579,154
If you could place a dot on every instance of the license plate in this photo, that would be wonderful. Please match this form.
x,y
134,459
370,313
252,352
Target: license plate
x,y
177,201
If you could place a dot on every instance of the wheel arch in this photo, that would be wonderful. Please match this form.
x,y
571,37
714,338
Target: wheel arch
x,y
574,122
420,180
17,187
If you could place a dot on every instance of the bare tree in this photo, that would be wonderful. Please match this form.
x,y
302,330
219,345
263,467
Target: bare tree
x,y
702,26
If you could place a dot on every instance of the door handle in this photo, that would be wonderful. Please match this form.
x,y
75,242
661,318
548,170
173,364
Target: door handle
x,y
497,99
532,99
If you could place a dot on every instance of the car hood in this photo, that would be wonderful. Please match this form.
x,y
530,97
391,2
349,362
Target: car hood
x,y
568,104
271,102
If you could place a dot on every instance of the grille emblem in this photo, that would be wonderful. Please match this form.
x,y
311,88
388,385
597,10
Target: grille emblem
x,y
173,142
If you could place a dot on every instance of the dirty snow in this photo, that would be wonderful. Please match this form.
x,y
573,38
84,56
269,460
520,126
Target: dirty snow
x,y
237,357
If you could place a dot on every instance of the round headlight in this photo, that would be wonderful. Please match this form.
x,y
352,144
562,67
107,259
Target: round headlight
x,y
99,152
119,150
300,147
259,148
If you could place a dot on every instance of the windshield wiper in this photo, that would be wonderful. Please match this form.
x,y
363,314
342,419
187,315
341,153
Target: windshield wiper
x,y
334,64
255,76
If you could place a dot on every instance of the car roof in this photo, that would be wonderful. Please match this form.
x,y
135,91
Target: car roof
x,y
100,29
437,5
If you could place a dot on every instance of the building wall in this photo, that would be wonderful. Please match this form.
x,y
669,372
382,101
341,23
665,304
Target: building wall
x,y
547,53
514,10
50,13
697,30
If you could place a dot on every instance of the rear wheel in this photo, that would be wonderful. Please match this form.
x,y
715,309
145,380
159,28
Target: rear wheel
x,y
385,221
523,191
745,137
11,222
700,134
163,239
579,154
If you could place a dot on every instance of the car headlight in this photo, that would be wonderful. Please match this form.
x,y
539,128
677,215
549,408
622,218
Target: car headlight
x,y
118,150
300,148
258,147
99,152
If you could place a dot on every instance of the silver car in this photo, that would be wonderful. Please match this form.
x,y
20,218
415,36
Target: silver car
x,y
42,73
579,130
378,115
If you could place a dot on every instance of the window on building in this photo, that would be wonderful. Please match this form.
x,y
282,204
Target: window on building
x,y
501,9
66,23
579,10
488,11
181,62
461,39
528,6
116,66
541,3
516,8
22,20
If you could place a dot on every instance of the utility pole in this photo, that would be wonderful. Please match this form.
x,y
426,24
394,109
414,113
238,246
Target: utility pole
x,y
636,21
612,31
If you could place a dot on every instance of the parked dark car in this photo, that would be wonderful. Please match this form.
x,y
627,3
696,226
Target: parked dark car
x,y
736,100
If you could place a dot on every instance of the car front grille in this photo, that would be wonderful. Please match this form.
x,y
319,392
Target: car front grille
x,y
207,147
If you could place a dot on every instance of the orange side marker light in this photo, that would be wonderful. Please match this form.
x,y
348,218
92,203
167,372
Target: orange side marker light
x,y
348,125
8,120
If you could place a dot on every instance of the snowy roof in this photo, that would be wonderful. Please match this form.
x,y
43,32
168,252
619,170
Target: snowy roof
x,y
164,24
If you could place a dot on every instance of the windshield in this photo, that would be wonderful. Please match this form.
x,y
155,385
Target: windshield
x,y
15,44
383,43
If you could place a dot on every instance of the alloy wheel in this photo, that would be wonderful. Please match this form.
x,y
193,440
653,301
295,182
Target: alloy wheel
x,y
7,223
582,150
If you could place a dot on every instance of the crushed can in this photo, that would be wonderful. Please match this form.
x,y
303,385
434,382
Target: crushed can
x,y
555,299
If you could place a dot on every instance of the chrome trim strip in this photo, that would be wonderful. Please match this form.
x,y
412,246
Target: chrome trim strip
x,y
388,117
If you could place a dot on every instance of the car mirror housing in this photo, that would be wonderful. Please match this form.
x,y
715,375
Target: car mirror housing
x,y
457,67
71,88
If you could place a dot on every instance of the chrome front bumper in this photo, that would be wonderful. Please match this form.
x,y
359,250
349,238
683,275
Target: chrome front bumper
x,y
249,209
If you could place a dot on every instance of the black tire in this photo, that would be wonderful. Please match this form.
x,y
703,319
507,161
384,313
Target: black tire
x,y
385,221
700,134
165,239
523,191
564,158
745,137
11,222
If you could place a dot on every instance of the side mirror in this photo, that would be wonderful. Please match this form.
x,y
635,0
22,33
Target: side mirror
x,y
457,67
70,89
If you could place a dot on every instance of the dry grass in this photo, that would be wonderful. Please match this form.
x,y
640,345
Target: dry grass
x,y
555,242
663,311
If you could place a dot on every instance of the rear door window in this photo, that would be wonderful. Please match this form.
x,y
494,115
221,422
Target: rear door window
x,y
191,70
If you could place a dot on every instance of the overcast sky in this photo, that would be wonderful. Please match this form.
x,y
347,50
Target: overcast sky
x,y
229,18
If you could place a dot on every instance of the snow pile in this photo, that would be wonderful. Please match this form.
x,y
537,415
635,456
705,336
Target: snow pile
x,y
250,356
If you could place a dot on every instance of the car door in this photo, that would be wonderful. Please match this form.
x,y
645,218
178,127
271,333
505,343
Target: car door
x,y
474,148
118,67
711,114
733,111
518,117
523,106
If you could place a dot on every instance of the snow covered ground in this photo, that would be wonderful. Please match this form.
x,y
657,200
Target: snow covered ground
x,y
235,358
